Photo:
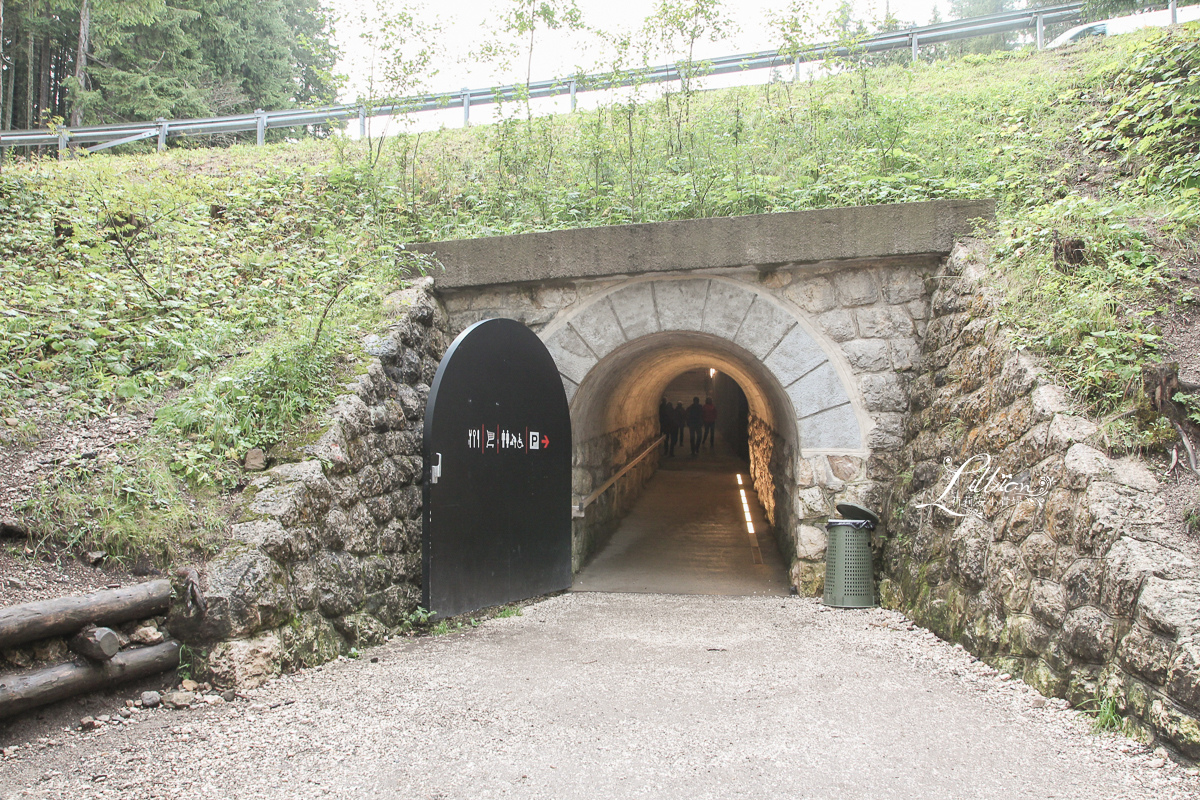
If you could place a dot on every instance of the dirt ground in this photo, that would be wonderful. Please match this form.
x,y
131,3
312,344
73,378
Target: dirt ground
x,y
617,696
55,572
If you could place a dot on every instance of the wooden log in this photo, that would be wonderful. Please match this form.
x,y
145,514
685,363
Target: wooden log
x,y
98,644
22,692
66,615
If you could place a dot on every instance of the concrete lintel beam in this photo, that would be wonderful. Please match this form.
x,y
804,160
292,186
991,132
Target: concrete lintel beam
x,y
798,237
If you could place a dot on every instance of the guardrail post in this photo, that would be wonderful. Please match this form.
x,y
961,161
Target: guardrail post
x,y
795,69
572,95
163,125
915,53
362,122
62,143
1174,13
1041,32
466,95
260,124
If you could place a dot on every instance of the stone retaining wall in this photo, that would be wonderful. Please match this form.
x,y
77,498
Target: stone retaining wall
x,y
1062,576
326,552
878,318
772,478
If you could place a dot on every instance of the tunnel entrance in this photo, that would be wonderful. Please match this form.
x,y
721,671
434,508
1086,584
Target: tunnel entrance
x,y
819,317
620,350
697,527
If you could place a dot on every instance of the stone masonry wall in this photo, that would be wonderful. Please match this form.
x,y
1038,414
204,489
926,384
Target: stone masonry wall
x,y
878,316
772,462
326,552
1048,560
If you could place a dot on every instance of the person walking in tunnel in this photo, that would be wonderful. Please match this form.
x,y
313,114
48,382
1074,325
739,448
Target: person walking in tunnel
x,y
668,427
695,423
710,424
680,422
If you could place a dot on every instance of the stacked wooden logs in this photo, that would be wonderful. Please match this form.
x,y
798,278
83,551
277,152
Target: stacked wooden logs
x,y
84,619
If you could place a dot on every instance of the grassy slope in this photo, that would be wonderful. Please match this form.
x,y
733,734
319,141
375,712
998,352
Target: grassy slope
x,y
201,275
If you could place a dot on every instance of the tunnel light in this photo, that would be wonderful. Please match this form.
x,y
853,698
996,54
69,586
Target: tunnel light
x,y
746,508
712,373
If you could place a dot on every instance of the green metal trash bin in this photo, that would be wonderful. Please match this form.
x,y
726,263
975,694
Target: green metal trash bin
x,y
849,575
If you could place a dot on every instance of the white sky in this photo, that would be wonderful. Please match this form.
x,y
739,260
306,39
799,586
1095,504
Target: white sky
x,y
465,28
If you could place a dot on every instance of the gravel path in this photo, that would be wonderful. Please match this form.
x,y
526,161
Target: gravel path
x,y
615,696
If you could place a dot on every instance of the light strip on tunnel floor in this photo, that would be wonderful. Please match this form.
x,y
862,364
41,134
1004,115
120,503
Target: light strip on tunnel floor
x,y
755,551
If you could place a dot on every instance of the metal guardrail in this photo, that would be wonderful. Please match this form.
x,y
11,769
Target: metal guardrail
x,y
577,510
104,136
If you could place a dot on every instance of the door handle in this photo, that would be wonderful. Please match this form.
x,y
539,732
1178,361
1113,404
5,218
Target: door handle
x,y
435,470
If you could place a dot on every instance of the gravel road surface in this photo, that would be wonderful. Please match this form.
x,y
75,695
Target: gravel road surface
x,y
620,696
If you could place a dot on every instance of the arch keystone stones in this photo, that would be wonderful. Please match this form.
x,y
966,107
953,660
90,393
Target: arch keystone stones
x,y
811,371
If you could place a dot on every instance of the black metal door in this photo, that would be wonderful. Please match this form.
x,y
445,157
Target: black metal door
x,y
497,512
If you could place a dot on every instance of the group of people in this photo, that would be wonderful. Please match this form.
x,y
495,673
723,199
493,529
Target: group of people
x,y
700,420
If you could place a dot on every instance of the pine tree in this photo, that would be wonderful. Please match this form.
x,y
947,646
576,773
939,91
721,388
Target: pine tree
x,y
97,61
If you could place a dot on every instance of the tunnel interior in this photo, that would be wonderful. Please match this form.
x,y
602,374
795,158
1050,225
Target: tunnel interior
x,y
732,427
624,389
615,418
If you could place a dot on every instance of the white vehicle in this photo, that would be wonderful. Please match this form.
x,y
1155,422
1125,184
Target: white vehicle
x,y
1133,22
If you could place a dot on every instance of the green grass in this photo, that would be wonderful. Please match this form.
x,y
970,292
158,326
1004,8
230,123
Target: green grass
x,y
250,405
1106,717
131,508
202,276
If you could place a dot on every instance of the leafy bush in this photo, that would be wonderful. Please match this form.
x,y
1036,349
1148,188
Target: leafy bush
x,y
129,508
1154,117
139,281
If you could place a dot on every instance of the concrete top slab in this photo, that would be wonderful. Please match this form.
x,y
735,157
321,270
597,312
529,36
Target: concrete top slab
x,y
795,237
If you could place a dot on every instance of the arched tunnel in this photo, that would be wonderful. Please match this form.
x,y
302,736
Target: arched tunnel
x,y
618,352
696,524
624,389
